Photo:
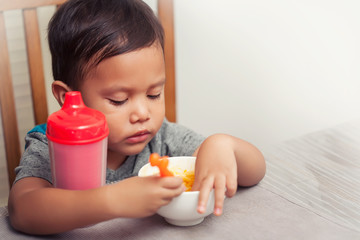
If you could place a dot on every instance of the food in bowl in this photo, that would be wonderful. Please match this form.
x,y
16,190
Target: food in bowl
x,y
182,210
162,163
187,176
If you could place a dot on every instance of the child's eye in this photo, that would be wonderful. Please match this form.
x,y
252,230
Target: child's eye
x,y
154,96
117,103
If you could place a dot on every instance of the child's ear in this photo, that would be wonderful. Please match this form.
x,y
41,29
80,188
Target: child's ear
x,y
59,89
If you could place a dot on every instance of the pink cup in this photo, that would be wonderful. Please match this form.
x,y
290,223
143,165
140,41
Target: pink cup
x,y
77,137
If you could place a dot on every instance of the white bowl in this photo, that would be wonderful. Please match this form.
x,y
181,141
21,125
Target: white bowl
x,y
181,211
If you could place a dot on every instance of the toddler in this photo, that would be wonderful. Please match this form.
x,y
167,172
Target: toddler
x,y
112,52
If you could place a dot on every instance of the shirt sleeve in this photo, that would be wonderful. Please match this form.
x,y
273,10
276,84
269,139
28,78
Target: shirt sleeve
x,y
35,161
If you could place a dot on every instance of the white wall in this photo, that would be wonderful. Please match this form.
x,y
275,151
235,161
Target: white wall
x,y
267,71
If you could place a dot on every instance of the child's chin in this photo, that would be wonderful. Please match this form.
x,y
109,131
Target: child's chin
x,y
135,149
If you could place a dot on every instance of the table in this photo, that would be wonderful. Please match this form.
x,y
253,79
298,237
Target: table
x,y
311,191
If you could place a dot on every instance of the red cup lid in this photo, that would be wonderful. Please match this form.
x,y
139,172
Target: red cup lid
x,y
75,123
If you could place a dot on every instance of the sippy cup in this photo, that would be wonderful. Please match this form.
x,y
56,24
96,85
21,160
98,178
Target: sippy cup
x,y
77,137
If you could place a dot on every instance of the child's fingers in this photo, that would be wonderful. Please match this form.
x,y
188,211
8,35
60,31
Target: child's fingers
x,y
171,187
169,194
196,185
205,188
231,187
171,182
219,195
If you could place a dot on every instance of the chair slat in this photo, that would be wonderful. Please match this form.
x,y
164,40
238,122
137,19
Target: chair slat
x,y
7,102
166,16
22,4
33,47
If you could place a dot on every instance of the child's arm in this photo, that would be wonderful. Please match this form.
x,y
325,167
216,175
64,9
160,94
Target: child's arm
x,y
224,162
35,207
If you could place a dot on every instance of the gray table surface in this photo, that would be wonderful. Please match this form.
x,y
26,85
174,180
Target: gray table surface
x,y
311,191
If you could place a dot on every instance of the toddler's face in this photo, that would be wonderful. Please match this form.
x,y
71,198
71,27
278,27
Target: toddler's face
x,y
129,90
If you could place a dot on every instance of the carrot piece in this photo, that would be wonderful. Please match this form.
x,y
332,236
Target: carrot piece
x,y
162,163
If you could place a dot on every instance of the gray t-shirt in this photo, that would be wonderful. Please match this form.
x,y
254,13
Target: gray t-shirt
x,y
171,140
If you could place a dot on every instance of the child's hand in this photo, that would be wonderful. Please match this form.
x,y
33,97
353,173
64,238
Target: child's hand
x,y
143,196
215,168
224,162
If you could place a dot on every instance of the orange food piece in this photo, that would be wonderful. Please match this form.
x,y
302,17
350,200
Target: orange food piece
x,y
162,163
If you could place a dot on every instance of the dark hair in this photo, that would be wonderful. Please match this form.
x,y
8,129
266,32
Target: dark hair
x,y
82,33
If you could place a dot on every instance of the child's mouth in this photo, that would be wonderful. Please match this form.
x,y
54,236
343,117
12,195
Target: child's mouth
x,y
139,137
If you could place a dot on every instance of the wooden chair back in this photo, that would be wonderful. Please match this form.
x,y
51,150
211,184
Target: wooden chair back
x,y
37,82
166,16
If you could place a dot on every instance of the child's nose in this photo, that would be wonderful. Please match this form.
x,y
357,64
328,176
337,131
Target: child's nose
x,y
140,112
